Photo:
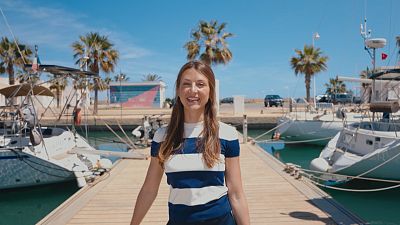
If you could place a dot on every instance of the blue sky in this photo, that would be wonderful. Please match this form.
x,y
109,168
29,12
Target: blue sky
x,y
150,36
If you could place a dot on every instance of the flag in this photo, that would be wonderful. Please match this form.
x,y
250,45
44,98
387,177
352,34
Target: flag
x,y
384,56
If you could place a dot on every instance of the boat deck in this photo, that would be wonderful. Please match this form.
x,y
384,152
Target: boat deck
x,y
274,197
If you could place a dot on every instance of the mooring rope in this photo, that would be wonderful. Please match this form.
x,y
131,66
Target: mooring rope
x,y
271,130
310,176
295,142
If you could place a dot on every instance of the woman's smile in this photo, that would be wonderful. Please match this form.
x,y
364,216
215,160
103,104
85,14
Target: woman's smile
x,y
194,91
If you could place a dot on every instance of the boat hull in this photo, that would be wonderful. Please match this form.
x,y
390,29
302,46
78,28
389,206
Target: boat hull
x,y
388,171
53,161
20,170
308,130
359,152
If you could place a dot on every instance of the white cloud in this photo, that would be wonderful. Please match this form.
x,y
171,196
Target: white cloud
x,y
55,29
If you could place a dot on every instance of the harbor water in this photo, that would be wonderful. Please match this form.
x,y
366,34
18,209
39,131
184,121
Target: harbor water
x,y
26,206
378,208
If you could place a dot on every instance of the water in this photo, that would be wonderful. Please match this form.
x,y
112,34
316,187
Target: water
x,y
375,207
26,206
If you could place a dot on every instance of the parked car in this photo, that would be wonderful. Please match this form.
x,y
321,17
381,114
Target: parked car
x,y
273,100
226,100
356,99
323,98
341,98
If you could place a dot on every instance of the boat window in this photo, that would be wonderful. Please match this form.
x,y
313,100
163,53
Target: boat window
x,y
48,132
377,139
369,142
367,126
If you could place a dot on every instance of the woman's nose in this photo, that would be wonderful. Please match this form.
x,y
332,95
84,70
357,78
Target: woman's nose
x,y
194,87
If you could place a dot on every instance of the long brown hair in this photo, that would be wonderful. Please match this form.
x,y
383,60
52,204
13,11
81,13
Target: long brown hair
x,y
208,144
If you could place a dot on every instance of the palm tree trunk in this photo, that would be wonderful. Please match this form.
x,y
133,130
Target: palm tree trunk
x,y
11,80
308,81
96,97
58,98
108,96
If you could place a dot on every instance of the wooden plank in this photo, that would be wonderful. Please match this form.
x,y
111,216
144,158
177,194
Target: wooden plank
x,y
273,196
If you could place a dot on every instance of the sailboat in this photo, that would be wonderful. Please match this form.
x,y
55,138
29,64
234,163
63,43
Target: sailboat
x,y
369,148
34,155
316,126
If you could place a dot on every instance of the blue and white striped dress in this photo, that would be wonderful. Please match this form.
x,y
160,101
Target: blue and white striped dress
x,y
197,193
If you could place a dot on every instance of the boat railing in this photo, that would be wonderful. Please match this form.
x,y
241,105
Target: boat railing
x,y
301,105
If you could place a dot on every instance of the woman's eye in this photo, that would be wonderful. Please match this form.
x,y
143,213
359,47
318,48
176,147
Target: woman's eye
x,y
200,85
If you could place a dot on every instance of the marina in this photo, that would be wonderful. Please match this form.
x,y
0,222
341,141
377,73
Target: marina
x,y
286,114
111,201
41,200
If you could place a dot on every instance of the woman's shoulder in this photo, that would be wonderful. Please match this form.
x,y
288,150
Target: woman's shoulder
x,y
160,134
227,132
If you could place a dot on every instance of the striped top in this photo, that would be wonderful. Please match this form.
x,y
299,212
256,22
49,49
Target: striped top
x,y
197,192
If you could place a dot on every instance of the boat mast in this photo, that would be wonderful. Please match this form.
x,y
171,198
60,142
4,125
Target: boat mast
x,y
365,34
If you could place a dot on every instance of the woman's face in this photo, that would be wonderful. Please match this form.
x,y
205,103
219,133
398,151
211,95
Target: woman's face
x,y
194,91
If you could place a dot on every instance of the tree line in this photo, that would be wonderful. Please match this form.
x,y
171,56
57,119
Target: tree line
x,y
98,54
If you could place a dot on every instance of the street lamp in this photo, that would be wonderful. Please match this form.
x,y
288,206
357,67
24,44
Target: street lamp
x,y
315,36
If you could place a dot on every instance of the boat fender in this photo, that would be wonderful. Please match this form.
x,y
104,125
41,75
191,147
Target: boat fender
x,y
319,164
80,178
104,163
138,132
341,113
35,137
77,116
28,115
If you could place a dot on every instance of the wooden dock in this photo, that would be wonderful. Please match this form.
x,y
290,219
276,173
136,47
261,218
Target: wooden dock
x,y
274,197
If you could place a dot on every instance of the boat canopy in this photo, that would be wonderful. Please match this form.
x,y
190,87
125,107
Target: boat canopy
x,y
24,90
387,74
63,71
386,106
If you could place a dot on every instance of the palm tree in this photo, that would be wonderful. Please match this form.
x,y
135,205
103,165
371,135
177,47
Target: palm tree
x,y
11,57
308,62
335,86
24,77
151,77
211,37
98,53
59,84
121,77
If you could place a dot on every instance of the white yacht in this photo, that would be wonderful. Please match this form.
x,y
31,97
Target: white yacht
x,y
315,127
23,164
370,148
34,155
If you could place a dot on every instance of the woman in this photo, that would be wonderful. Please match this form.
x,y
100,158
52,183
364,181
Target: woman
x,y
200,157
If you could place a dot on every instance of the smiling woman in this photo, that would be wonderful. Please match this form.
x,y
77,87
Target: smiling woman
x,y
200,157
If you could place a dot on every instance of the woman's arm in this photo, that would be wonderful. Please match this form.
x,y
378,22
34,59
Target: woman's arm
x,y
148,192
235,191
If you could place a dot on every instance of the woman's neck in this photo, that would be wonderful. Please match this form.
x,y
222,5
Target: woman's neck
x,y
194,116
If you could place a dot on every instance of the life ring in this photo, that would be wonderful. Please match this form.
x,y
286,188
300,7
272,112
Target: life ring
x,y
77,116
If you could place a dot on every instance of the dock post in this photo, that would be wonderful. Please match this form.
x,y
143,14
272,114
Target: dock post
x,y
245,129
